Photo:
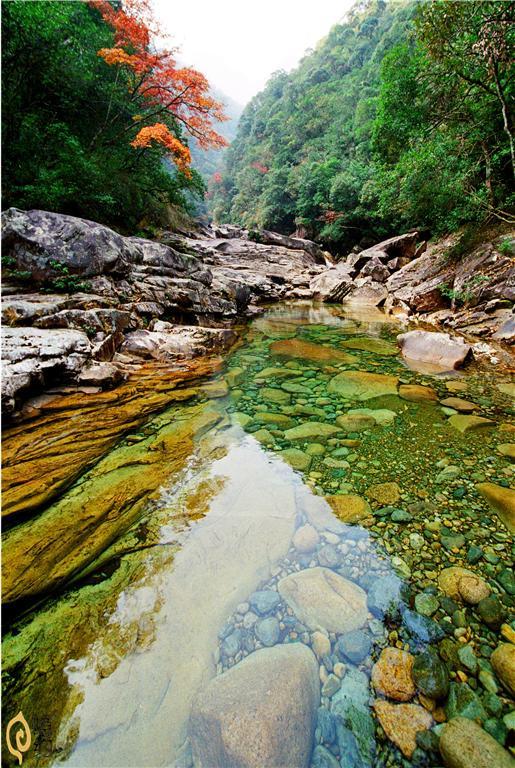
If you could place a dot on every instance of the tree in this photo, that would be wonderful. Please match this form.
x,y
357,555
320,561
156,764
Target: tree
x,y
474,41
158,88
69,118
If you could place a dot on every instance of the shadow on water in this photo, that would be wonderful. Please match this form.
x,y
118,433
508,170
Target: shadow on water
x,y
242,534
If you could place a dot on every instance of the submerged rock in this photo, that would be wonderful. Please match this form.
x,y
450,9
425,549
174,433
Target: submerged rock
x,y
392,674
355,731
306,350
503,663
306,539
311,431
462,584
417,393
354,646
370,344
464,423
42,554
321,599
259,714
402,722
463,743
361,385
430,675
350,508
384,493
463,406
385,596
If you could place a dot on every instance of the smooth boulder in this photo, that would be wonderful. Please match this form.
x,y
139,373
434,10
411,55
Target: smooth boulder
x,y
463,743
440,351
321,599
261,713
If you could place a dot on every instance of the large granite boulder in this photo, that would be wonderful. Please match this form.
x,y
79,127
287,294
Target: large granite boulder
x,y
261,713
37,239
333,284
439,350
123,268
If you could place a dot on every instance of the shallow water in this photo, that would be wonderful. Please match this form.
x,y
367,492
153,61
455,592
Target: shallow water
x,y
168,537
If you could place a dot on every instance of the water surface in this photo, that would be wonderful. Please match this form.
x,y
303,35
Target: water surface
x,y
133,584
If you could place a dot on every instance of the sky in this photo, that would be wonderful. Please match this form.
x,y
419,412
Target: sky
x,y
237,44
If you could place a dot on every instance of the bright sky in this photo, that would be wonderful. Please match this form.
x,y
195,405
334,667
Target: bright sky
x,y
237,44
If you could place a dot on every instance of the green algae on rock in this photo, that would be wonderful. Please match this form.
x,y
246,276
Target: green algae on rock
x,y
309,351
371,344
42,554
464,423
362,385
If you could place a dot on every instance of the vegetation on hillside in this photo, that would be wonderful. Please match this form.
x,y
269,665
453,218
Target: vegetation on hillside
x,y
400,118
92,110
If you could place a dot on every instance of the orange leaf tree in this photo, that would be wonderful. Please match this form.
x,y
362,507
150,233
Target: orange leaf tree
x,y
168,100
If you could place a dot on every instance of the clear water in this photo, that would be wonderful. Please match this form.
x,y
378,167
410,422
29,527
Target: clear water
x,y
107,666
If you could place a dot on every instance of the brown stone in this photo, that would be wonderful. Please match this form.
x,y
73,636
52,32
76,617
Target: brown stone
x,y
417,393
464,406
260,713
306,350
391,674
402,722
503,663
463,743
502,500
349,508
384,493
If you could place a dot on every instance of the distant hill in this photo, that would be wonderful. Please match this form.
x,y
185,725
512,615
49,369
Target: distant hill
x,y
210,161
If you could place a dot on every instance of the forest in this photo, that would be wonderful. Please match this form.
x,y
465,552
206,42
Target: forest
x,y
401,117
97,114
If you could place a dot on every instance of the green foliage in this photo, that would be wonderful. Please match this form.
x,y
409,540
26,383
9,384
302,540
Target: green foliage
x,y
507,247
465,294
62,149
64,282
379,128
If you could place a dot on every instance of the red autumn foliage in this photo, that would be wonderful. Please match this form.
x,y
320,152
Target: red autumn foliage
x,y
217,177
157,85
259,167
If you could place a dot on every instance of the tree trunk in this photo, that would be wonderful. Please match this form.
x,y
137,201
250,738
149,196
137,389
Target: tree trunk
x,y
506,119
488,174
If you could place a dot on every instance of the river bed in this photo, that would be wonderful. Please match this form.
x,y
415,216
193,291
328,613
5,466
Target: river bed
x,y
315,491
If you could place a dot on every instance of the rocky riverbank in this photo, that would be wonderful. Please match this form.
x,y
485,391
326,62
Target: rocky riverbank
x,y
83,306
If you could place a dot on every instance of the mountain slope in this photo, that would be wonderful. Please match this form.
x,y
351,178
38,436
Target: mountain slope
x,y
303,144
398,119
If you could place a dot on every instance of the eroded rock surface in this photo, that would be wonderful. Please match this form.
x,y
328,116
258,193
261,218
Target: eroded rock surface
x,y
117,285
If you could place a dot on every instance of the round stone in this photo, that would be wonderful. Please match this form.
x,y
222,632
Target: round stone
x,y
267,631
306,539
430,675
321,644
264,601
354,646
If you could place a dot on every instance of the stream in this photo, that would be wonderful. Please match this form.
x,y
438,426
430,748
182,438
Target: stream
x,y
165,534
